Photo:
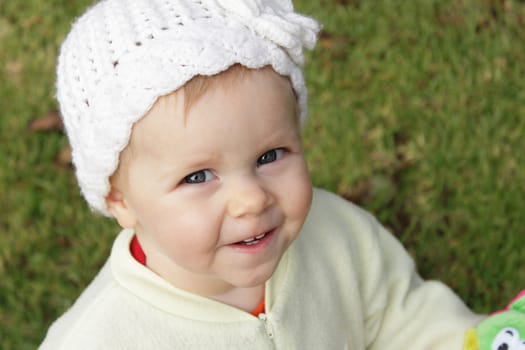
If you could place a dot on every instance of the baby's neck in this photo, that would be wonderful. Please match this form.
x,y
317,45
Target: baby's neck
x,y
246,299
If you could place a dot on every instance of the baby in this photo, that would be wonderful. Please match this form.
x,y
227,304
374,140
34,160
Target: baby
x,y
184,118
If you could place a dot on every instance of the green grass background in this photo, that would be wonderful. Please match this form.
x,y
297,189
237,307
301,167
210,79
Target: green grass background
x,y
417,112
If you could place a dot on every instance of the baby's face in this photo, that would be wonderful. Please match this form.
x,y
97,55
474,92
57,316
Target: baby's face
x,y
216,196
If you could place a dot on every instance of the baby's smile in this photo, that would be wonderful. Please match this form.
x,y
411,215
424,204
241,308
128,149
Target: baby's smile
x,y
255,239
255,243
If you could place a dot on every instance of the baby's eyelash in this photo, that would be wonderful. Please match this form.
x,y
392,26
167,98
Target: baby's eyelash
x,y
270,156
198,177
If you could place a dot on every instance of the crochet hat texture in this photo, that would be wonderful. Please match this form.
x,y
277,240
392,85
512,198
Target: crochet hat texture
x,y
121,55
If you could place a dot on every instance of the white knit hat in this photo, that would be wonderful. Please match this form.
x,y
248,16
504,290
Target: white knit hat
x,y
121,55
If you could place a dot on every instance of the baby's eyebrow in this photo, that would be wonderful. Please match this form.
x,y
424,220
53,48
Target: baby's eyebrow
x,y
185,166
285,133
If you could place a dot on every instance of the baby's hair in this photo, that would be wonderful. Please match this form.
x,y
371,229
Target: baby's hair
x,y
199,84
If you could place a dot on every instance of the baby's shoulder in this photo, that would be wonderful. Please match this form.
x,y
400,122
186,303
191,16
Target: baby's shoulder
x,y
99,307
335,223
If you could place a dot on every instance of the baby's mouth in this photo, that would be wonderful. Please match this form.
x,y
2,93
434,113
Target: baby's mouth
x,y
253,240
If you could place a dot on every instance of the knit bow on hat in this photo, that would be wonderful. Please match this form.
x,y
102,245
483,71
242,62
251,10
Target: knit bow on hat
x,y
276,21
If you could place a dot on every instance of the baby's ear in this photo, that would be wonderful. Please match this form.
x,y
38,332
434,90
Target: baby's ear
x,y
118,207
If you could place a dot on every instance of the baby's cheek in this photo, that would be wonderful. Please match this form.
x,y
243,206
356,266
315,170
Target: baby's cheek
x,y
199,229
298,212
304,193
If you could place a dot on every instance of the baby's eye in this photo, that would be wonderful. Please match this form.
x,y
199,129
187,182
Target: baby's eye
x,y
198,177
270,156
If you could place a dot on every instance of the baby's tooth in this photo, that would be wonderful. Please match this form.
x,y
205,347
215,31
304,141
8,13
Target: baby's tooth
x,y
253,240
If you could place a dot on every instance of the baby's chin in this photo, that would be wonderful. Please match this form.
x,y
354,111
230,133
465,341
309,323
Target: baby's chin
x,y
257,277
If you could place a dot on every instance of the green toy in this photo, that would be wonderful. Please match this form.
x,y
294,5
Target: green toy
x,y
502,330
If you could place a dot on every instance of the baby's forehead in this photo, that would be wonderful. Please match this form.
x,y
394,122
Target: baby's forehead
x,y
200,84
173,109
180,101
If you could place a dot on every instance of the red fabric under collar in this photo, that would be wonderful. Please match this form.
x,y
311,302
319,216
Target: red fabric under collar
x,y
136,251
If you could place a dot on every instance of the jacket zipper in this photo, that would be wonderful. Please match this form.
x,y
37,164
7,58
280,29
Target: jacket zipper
x,y
269,331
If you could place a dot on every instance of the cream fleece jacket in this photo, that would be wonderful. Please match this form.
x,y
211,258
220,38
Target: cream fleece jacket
x,y
345,283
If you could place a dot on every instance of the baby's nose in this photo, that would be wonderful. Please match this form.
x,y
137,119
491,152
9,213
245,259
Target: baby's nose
x,y
248,197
